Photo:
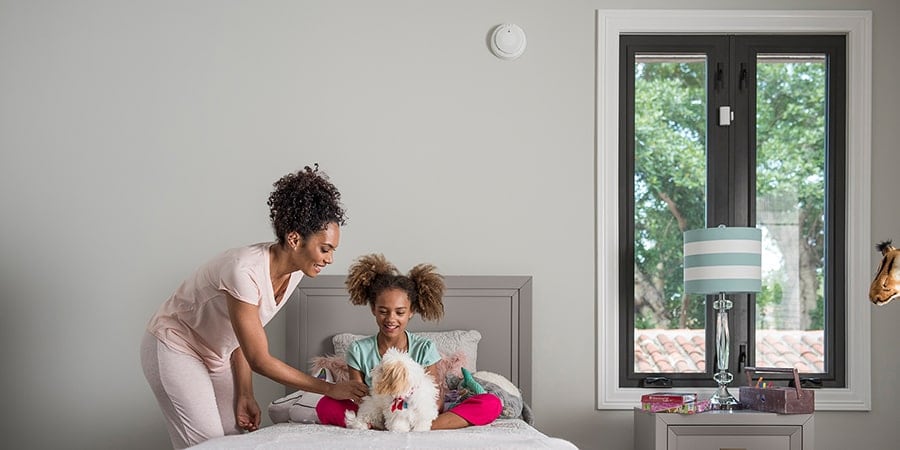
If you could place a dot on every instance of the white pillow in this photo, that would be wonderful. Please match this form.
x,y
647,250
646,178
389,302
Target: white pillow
x,y
298,407
447,343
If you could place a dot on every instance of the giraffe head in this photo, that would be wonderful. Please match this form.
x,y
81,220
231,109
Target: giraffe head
x,y
886,285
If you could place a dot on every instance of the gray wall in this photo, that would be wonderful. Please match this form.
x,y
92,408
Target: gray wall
x,y
137,139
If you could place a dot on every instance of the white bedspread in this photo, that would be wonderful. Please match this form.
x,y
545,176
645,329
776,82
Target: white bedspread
x,y
502,434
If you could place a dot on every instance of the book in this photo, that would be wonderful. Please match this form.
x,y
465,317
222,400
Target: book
x,y
693,407
677,398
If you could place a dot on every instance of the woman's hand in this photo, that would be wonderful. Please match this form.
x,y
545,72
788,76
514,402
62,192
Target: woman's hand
x,y
246,412
353,390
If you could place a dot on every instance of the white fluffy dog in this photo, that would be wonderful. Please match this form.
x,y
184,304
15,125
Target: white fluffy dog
x,y
403,397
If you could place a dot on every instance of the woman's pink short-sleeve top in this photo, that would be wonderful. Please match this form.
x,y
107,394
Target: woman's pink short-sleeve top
x,y
195,320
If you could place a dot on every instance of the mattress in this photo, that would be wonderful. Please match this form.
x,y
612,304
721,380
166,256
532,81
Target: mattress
x,y
501,434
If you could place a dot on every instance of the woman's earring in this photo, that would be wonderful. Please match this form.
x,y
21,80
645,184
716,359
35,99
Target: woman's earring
x,y
294,241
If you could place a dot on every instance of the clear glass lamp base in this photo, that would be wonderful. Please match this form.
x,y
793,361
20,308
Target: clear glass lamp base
x,y
723,399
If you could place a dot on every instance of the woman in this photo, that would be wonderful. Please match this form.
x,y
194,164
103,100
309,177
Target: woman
x,y
204,341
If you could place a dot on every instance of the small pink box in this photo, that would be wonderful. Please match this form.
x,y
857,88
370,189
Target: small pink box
x,y
694,407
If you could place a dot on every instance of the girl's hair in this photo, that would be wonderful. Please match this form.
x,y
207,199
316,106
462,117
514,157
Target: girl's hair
x,y
305,202
372,274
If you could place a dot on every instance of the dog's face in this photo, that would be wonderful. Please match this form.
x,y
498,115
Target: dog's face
x,y
391,378
396,373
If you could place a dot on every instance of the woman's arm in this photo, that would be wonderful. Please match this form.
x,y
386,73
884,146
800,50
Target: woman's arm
x,y
356,375
247,411
255,349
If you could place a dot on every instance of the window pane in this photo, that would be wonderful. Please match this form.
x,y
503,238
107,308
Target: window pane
x,y
790,209
670,146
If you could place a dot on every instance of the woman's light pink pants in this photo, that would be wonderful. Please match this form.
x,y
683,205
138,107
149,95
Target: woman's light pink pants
x,y
198,404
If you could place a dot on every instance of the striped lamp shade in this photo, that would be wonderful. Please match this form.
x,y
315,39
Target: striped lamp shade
x,y
723,259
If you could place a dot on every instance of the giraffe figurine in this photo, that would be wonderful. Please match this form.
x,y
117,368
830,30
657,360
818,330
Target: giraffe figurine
x,y
886,285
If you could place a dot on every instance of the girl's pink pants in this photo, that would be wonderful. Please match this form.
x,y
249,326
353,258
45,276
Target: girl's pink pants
x,y
480,409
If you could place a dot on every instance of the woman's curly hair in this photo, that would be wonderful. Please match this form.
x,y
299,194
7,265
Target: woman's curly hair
x,y
305,202
372,274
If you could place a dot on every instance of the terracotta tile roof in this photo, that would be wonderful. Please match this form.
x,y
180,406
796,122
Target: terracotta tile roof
x,y
684,350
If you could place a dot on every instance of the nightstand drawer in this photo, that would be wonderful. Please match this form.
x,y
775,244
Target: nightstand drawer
x,y
722,430
688,437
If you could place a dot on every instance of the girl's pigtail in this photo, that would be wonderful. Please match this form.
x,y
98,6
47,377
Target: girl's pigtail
x,y
363,274
429,290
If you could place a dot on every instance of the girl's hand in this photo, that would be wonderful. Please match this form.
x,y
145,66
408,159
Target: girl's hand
x,y
247,414
353,390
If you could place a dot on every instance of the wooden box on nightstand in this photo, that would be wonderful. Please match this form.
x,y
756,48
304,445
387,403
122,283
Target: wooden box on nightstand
x,y
715,430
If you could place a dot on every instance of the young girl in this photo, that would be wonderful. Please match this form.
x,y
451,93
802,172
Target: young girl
x,y
394,298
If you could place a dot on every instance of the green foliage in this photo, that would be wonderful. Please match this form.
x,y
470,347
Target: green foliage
x,y
670,172
670,177
770,296
817,315
791,143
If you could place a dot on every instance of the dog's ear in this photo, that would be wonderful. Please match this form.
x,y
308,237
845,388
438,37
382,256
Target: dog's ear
x,y
394,378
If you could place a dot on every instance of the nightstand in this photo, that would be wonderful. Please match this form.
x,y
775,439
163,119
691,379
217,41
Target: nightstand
x,y
718,430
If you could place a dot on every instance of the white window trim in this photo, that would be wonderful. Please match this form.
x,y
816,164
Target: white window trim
x,y
857,25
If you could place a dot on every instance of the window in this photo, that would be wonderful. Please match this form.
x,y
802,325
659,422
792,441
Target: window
x,y
775,161
797,140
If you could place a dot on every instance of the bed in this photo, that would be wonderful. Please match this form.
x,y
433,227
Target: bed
x,y
498,308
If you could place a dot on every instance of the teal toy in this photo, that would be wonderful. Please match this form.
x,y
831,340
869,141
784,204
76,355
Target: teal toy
x,y
470,383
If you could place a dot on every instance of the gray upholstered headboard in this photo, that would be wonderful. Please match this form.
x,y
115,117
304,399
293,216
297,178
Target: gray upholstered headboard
x,y
499,307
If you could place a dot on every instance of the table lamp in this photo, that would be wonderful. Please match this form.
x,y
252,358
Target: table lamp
x,y
719,261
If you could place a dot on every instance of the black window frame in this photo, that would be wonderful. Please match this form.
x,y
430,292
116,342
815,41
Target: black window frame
x,y
731,81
